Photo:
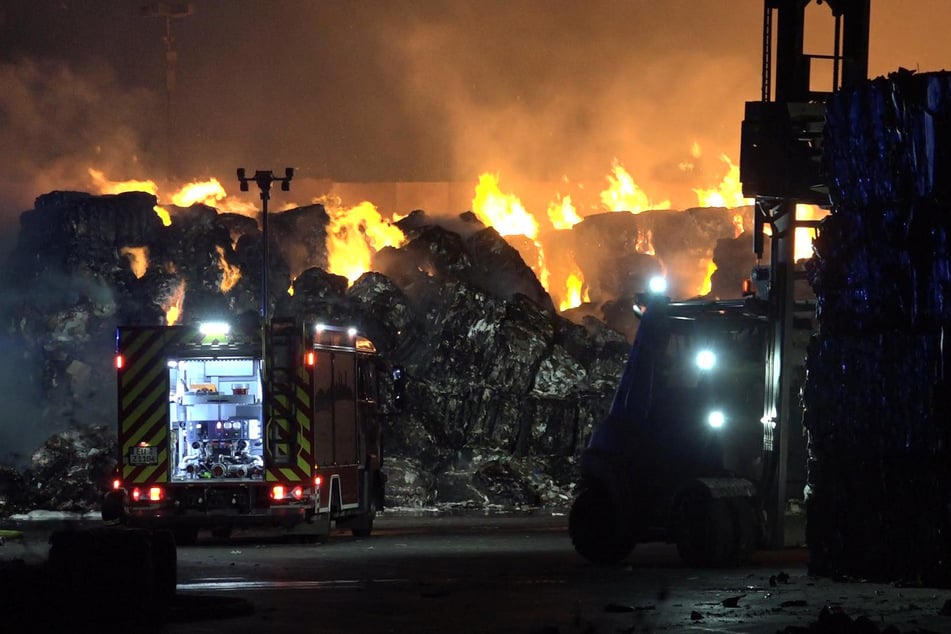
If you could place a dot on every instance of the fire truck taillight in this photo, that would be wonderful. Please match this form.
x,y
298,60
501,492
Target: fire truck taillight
x,y
116,484
297,492
277,492
310,360
119,362
154,494
317,481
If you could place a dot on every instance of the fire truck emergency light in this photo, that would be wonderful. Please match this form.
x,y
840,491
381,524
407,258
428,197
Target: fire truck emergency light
x,y
214,328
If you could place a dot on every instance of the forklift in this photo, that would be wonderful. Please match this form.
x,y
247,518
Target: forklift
x,y
703,444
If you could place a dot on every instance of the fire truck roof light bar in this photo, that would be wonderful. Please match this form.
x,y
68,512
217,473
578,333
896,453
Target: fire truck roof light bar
x,y
214,328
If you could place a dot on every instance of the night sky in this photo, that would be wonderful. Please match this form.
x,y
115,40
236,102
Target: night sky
x,y
421,90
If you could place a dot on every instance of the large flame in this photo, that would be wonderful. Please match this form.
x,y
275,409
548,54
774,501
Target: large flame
x,y
208,192
106,186
504,212
138,259
352,234
575,292
623,194
562,213
707,284
729,193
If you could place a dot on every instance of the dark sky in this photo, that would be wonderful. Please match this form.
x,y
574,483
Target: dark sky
x,y
416,90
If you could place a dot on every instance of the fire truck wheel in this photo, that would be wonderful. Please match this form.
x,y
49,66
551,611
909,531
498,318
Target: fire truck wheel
x,y
185,536
705,534
165,562
595,527
362,526
113,509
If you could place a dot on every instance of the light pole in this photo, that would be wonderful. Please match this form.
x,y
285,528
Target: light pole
x,y
264,178
169,11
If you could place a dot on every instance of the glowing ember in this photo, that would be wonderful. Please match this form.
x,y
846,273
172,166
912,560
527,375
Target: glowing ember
x,y
623,194
138,259
173,308
352,234
575,293
737,225
562,214
229,274
503,212
645,242
729,193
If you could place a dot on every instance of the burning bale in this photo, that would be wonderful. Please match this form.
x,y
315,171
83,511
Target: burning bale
x,y
502,389
876,397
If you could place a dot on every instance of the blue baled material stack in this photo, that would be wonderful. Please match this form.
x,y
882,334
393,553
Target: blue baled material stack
x,y
878,391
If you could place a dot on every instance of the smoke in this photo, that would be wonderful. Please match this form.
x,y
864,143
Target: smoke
x,y
58,121
557,95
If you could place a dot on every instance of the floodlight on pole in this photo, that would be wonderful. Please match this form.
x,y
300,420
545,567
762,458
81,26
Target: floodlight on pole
x,y
264,179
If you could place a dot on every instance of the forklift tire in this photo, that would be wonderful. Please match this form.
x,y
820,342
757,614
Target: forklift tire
x,y
595,527
705,534
746,529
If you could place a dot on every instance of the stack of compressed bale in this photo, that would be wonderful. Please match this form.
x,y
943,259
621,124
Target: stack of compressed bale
x,y
878,391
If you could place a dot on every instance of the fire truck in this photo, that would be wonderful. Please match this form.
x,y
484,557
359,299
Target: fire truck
x,y
211,438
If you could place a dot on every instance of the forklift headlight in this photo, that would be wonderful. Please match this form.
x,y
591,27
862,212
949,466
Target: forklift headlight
x,y
706,359
716,419
657,284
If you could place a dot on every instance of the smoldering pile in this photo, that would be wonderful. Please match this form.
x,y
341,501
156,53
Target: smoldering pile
x,y
503,390
877,394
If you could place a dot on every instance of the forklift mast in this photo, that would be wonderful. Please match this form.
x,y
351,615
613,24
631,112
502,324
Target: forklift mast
x,y
780,167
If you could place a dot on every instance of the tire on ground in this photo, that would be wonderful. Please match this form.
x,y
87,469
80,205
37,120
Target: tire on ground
x,y
596,528
705,531
165,563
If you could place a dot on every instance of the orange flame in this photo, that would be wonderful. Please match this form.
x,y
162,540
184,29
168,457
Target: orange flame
x,y
562,214
208,192
504,212
623,194
575,292
729,193
106,186
173,309
351,236
230,274
707,284
645,242
138,259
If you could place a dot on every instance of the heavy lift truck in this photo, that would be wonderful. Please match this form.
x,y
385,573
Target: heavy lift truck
x,y
667,463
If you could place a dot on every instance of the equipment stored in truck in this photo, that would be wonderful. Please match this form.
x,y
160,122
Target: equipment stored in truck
x,y
209,437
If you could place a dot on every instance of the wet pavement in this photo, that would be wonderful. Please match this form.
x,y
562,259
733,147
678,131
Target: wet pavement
x,y
432,573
